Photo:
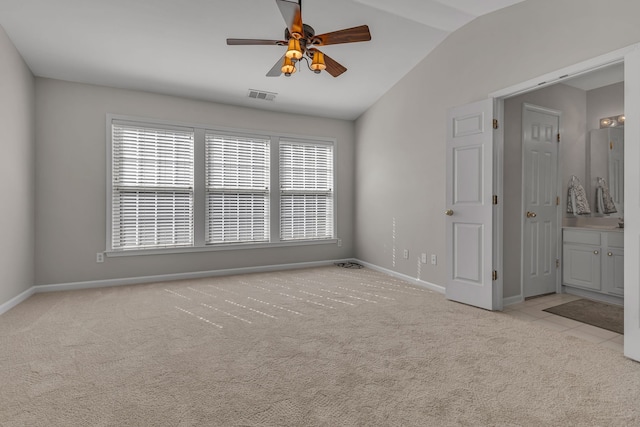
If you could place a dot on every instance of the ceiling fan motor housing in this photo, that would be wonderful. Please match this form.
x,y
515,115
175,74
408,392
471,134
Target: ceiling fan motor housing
x,y
309,32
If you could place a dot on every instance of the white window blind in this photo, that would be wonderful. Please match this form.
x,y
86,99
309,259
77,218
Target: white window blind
x,y
237,185
306,191
152,187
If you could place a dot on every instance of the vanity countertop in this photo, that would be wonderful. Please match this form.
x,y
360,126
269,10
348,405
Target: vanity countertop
x,y
595,228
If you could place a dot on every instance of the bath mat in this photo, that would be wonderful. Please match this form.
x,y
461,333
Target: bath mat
x,y
600,314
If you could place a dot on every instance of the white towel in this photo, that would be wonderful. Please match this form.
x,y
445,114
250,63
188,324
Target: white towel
x,y
577,202
605,203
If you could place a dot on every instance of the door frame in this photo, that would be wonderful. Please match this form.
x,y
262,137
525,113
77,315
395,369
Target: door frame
x,y
558,193
630,56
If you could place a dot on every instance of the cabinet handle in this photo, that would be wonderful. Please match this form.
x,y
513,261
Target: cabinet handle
x,y
596,252
609,253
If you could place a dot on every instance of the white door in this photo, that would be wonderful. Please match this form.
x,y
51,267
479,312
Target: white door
x,y
632,205
540,211
469,211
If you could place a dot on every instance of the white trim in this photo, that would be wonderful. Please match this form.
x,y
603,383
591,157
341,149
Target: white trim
x,y
498,210
16,300
178,276
421,283
220,247
512,300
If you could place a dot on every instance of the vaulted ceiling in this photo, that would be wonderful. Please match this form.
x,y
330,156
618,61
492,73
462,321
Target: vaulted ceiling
x,y
178,47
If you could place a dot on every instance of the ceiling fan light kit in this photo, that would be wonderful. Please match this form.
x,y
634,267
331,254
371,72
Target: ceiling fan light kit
x,y
318,63
294,51
302,43
288,67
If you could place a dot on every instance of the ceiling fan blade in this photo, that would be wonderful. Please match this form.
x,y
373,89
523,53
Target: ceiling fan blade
x,y
277,68
348,35
292,15
333,67
247,42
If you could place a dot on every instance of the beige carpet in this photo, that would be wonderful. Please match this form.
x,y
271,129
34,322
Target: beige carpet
x,y
325,346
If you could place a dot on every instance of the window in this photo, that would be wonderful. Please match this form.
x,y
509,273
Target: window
x,y
306,184
189,188
152,188
237,189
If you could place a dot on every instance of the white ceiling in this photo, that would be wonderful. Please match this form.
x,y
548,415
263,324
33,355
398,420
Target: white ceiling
x,y
178,47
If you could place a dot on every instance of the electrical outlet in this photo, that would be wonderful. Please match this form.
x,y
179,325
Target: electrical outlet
x,y
434,259
405,255
424,258
339,242
100,257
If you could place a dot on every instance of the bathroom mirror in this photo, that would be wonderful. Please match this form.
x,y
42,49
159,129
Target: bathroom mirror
x,y
605,159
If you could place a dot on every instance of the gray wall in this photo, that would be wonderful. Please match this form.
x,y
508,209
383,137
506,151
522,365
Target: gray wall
x,y
71,181
572,103
400,148
16,171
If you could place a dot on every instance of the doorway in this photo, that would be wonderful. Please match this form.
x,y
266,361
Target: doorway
x,y
532,246
498,283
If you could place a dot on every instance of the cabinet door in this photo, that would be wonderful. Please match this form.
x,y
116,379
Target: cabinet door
x,y
613,277
582,266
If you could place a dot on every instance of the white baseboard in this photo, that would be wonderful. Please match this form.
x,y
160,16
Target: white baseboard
x,y
421,283
4,307
201,274
16,300
178,276
512,300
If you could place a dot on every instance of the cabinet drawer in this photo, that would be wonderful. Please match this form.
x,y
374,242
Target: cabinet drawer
x,y
615,239
581,236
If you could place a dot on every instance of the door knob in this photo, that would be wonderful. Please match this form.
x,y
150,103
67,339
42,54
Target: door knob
x,y
531,214
448,212
596,252
609,253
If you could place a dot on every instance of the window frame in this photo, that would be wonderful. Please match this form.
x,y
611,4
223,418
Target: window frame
x,y
199,208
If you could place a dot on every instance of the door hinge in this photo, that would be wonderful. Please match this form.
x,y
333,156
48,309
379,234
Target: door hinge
x,y
495,199
558,136
557,263
610,145
495,123
494,275
557,200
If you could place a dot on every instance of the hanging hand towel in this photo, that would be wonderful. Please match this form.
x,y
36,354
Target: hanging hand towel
x,y
577,202
605,203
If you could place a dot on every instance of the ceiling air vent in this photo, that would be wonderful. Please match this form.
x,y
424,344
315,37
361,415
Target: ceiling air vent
x,y
261,94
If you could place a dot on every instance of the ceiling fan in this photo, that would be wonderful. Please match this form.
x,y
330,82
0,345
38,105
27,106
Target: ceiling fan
x,y
302,40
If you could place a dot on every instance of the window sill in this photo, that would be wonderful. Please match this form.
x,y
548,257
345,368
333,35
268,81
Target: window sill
x,y
214,248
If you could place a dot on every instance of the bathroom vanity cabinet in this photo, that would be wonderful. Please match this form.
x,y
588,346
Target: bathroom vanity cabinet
x,y
593,260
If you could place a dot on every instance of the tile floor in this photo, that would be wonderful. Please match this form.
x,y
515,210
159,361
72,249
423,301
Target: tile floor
x,y
531,311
